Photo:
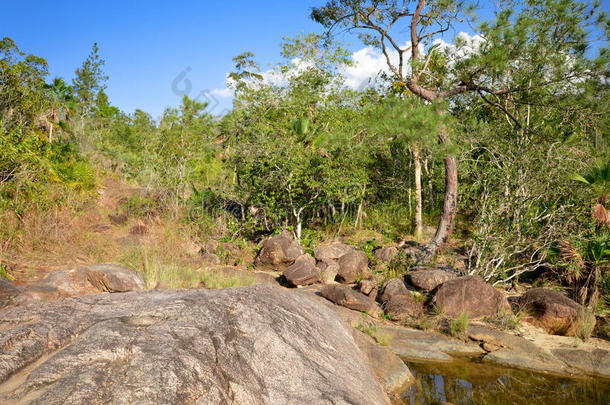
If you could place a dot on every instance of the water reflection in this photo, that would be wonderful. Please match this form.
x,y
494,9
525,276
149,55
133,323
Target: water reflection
x,y
465,382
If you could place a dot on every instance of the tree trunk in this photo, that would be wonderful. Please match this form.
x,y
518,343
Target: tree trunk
x,y
409,177
445,225
419,226
430,190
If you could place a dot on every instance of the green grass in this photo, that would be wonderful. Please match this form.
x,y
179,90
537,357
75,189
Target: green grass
x,y
374,332
216,280
424,323
458,326
585,324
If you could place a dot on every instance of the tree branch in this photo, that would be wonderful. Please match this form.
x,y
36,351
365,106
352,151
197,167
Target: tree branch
x,y
501,107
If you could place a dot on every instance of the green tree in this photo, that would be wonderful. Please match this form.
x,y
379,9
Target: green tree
x,y
23,93
540,46
294,141
89,81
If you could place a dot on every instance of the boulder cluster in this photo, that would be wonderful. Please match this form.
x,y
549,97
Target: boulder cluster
x,y
348,281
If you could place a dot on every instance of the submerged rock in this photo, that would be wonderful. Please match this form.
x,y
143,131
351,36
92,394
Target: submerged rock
x,y
249,345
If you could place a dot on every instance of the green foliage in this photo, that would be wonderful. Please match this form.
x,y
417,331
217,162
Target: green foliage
x,y
373,331
32,163
408,120
598,177
23,93
596,249
368,247
293,146
458,327
89,81
310,239
4,273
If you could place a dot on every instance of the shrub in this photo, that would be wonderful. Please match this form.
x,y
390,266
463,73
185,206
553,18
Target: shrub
x,y
459,326
585,324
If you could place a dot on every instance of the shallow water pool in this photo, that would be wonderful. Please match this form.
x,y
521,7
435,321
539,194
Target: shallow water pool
x,y
465,381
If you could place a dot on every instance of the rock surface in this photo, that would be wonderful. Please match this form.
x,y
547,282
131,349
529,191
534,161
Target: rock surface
x,y
352,265
430,279
420,345
302,272
400,307
596,361
552,311
369,287
115,278
515,351
392,372
348,297
13,294
328,269
527,361
281,249
385,254
332,251
470,295
392,287
209,259
498,338
79,280
250,345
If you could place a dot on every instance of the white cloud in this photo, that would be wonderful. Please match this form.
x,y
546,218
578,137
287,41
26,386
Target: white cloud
x,y
465,46
223,93
368,63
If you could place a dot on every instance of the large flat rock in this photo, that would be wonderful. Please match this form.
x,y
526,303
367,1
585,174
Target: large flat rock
x,y
418,345
527,361
594,362
248,345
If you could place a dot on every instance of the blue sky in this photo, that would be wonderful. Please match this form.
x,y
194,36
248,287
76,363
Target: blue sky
x,y
147,44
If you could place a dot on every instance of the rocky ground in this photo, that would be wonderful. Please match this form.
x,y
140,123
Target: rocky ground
x,y
340,337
